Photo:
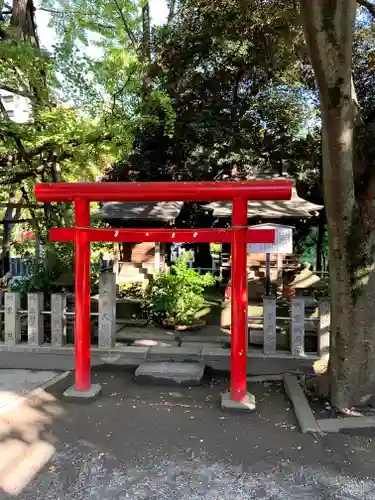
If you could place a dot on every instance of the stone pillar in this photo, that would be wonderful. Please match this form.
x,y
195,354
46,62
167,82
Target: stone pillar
x,y
298,326
107,311
269,325
58,319
12,320
35,319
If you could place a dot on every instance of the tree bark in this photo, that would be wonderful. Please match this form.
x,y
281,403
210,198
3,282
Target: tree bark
x,y
10,219
320,241
329,29
146,50
22,20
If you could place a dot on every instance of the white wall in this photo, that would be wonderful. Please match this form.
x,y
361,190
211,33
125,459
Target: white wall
x,y
17,107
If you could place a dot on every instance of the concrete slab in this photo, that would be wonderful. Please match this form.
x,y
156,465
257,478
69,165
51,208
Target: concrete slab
x,y
50,358
259,363
216,358
93,392
347,423
17,384
131,333
152,343
266,378
170,373
228,404
203,345
160,353
205,338
304,414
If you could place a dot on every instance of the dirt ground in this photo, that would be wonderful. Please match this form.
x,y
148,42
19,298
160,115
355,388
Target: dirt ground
x,y
145,442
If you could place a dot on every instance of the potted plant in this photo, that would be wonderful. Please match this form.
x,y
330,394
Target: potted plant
x,y
175,299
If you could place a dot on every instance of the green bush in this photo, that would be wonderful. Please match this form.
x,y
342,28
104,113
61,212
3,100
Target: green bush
x,y
55,272
177,297
131,290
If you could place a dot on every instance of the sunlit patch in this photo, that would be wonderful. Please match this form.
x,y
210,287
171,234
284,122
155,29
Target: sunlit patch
x,y
25,445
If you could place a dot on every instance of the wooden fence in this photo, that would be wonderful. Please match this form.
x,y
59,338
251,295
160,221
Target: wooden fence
x,y
105,318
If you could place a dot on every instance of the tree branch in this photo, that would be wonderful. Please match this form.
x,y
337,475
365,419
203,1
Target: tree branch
x,y
12,90
368,5
126,26
172,6
78,14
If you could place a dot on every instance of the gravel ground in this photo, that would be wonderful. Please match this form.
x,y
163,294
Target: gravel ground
x,y
143,442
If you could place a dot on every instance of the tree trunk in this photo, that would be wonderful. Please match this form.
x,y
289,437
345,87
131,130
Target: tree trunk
x,y
329,28
146,48
320,241
22,20
10,218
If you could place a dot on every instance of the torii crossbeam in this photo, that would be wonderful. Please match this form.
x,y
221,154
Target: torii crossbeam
x,y
81,194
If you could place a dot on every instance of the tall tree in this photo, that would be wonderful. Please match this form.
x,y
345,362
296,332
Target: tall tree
x,y
349,200
234,103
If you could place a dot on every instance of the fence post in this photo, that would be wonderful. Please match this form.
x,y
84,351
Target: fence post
x,y
107,311
58,320
35,319
298,326
12,319
269,325
324,327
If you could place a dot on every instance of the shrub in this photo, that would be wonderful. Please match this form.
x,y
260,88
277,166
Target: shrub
x,y
54,273
133,290
178,296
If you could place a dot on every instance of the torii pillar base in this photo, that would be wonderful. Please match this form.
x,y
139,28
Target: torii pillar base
x,y
245,404
91,393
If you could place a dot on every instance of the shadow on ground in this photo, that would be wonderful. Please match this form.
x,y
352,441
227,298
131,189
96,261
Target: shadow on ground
x,y
143,442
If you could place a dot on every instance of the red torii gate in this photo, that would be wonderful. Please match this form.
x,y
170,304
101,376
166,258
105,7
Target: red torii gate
x,y
82,193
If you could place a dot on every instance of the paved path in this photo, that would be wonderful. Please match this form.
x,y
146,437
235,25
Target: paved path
x,y
15,384
139,442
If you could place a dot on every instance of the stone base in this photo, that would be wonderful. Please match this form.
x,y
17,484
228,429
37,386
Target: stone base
x,y
202,345
228,404
167,373
92,392
350,425
152,343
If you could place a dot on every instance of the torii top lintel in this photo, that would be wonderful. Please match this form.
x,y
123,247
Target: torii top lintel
x,y
164,191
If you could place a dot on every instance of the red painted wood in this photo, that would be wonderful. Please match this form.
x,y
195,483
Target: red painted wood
x,y
164,191
239,301
238,192
82,298
163,235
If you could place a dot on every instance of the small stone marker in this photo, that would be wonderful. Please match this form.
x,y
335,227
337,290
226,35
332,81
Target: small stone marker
x,y
12,320
58,320
298,326
35,319
170,373
107,311
269,324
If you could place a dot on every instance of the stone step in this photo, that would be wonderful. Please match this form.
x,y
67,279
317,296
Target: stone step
x,y
170,373
202,345
152,343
